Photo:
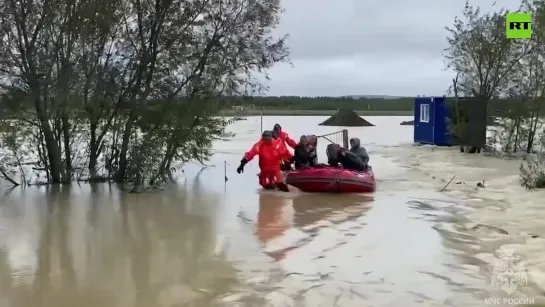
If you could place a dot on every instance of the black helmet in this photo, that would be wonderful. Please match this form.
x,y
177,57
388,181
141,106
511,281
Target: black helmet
x,y
267,134
277,128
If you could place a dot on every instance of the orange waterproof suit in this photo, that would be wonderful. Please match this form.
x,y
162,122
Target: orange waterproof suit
x,y
271,154
285,138
287,156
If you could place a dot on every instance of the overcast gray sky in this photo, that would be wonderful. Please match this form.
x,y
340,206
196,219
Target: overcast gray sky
x,y
367,47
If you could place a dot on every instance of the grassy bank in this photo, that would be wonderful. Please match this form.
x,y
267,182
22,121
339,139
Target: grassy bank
x,y
279,112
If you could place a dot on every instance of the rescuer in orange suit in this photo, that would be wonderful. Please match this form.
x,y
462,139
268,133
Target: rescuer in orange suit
x,y
285,165
283,136
271,155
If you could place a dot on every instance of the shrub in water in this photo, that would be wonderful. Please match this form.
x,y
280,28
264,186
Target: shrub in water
x,y
532,173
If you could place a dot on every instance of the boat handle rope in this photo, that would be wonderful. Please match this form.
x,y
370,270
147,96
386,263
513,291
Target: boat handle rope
x,y
337,183
325,137
334,185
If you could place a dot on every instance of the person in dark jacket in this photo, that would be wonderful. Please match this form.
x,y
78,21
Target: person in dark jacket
x,y
350,161
332,152
301,154
338,156
359,151
312,148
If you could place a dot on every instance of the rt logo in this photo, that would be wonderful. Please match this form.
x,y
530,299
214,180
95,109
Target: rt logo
x,y
518,25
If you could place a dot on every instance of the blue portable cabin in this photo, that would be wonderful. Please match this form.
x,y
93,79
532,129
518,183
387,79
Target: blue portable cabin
x,y
430,121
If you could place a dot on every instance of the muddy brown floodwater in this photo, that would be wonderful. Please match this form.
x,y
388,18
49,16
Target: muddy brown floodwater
x,y
204,242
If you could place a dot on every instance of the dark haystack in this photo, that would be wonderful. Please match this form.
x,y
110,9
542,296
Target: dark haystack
x,y
346,118
407,123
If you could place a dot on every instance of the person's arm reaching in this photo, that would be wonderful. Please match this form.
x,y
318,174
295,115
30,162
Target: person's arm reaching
x,y
249,156
252,152
285,154
291,142
285,157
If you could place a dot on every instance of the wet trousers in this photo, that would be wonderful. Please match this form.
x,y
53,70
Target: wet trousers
x,y
269,178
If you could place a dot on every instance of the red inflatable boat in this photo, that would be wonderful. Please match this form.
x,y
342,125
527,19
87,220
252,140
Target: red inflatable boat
x,y
329,179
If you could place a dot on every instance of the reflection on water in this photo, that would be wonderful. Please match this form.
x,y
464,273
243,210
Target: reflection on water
x,y
272,222
205,242
312,211
102,247
306,213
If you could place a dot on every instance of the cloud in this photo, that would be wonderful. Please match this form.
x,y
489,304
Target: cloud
x,y
366,47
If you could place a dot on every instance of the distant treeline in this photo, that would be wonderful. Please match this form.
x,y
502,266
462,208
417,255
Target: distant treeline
x,y
325,103
495,107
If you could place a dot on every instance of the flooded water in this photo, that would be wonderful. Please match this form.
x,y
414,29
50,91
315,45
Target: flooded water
x,y
207,242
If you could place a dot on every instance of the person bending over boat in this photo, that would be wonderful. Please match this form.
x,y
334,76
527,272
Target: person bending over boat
x,y
359,151
338,156
283,136
271,154
301,155
332,152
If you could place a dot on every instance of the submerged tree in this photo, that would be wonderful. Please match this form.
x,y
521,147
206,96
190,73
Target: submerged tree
x,y
481,54
529,128
490,66
137,82
216,49
482,57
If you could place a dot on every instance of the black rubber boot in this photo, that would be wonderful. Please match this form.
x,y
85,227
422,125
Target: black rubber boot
x,y
282,187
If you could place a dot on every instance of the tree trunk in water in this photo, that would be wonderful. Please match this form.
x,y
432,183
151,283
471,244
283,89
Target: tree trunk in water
x,y
532,133
163,170
93,148
53,154
53,150
67,150
93,157
42,153
120,175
